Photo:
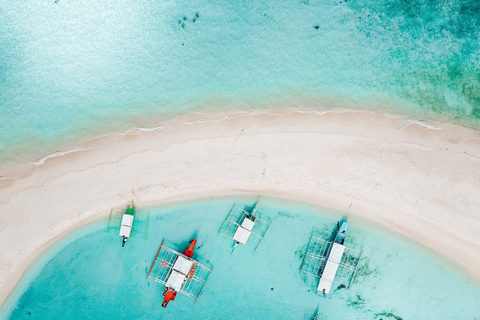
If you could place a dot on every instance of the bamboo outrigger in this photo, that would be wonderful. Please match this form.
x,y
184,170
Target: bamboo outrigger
x,y
127,224
245,228
331,261
178,273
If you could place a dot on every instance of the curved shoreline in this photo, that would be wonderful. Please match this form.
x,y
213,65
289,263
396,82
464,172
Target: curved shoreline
x,y
420,180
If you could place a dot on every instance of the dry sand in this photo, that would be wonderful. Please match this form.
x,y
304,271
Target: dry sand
x,y
420,180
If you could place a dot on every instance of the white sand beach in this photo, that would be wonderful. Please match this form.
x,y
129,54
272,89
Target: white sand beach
x,y
419,180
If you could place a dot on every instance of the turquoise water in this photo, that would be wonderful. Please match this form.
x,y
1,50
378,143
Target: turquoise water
x,y
74,69
90,276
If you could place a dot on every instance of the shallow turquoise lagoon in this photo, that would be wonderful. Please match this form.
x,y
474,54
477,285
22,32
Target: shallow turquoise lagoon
x,y
90,276
70,70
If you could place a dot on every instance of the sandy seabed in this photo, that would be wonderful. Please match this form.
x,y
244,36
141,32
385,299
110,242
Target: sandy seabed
x,y
421,180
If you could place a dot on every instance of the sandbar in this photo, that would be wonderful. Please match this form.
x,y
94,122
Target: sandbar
x,y
419,179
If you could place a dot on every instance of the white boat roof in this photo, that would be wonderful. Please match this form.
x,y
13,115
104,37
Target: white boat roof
x,y
183,265
330,270
126,225
180,271
127,220
125,231
241,235
175,281
243,231
248,224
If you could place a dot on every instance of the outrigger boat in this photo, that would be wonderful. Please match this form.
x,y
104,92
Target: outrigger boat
x,y
245,228
127,224
331,261
179,273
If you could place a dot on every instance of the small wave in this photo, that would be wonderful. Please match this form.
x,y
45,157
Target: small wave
x,y
408,122
57,154
320,113
188,123
223,118
151,129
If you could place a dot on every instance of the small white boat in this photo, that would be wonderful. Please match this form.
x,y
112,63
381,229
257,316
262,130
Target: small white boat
x,y
245,228
128,224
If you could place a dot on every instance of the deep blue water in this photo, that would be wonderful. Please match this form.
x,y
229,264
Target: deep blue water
x,y
75,69
90,276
